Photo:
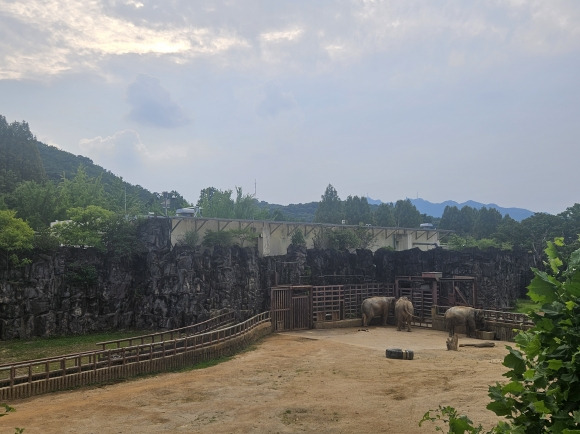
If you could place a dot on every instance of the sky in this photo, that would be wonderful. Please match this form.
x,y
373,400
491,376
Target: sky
x,y
445,100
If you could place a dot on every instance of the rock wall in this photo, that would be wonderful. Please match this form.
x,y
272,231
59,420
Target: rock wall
x,y
75,291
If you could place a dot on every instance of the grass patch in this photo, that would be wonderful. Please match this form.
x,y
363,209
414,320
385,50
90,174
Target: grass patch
x,y
525,305
18,350
210,363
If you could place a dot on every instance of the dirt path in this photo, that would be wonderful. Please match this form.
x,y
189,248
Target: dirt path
x,y
327,381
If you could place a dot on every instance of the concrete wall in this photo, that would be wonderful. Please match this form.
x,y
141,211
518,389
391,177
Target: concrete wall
x,y
275,237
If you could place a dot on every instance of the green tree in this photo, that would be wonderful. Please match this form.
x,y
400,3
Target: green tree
x,y
406,214
451,218
357,210
571,223
16,236
539,229
329,208
37,203
458,220
542,393
510,231
385,215
121,198
278,216
19,157
216,203
467,220
85,228
80,192
15,233
246,207
119,236
486,222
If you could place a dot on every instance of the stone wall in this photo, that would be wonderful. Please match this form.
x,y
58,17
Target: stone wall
x,y
75,290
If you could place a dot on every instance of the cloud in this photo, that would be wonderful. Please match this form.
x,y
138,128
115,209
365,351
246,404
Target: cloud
x,y
152,104
123,146
275,101
40,38
124,154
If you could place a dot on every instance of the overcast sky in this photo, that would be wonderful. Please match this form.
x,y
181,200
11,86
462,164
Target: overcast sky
x,y
443,100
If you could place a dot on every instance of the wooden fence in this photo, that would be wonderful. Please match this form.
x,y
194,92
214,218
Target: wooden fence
x,y
25,379
504,325
211,324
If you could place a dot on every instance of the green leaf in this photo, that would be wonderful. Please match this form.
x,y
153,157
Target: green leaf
x,y
573,286
543,288
545,324
513,387
515,361
574,260
500,408
540,407
555,364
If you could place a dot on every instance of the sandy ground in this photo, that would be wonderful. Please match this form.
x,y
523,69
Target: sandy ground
x,y
326,381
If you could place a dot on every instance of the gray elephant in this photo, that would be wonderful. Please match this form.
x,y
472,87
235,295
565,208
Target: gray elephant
x,y
473,319
403,313
376,306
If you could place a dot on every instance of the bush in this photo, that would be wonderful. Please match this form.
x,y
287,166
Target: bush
x,y
45,241
243,235
543,391
298,238
218,238
190,239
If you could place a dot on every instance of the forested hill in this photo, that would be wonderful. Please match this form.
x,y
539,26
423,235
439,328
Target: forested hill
x,y
300,212
19,156
24,158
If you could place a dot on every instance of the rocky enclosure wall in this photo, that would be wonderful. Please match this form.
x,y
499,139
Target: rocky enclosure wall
x,y
75,291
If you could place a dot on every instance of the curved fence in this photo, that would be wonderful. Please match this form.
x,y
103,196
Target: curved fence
x,y
24,379
211,324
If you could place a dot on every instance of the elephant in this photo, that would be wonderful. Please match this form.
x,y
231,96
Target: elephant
x,y
473,319
376,306
403,313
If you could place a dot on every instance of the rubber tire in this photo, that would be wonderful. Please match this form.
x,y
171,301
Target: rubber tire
x,y
397,353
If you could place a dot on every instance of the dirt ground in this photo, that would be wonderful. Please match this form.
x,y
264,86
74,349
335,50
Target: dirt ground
x,y
326,381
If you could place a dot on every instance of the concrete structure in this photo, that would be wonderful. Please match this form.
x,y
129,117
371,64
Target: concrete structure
x,y
273,238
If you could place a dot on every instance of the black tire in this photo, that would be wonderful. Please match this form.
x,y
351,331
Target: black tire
x,y
397,353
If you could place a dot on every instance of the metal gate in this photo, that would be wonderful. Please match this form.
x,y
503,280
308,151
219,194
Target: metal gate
x,y
291,308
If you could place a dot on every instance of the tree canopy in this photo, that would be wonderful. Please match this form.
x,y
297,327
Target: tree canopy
x,y
330,207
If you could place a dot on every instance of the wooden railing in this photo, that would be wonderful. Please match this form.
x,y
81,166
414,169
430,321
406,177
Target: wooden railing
x,y
169,335
24,379
508,317
495,315
504,325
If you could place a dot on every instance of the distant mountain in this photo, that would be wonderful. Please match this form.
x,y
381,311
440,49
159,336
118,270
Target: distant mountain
x,y
295,212
436,209
304,212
